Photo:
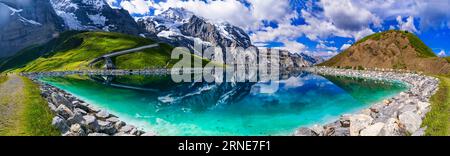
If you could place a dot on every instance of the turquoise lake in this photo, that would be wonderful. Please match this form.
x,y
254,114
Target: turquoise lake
x,y
202,109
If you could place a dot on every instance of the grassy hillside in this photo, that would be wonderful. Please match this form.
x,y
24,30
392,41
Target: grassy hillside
x,y
74,51
438,119
422,49
391,49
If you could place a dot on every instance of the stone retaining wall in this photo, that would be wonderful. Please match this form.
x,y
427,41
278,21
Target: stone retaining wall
x,y
74,117
401,115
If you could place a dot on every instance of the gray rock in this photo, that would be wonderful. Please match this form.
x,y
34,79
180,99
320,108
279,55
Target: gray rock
x,y
318,130
80,111
420,132
83,106
372,130
423,107
113,119
345,120
391,128
103,114
149,134
63,111
91,123
106,127
97,134
60,123
52,107
75,119
126,128
408,108
123,134
136,132
410,121
341,131
92,109
59,100
304,132
76,130
359,122
119,124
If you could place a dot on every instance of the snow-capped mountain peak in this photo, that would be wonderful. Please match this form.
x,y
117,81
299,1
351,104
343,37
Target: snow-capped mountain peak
x,y
176,15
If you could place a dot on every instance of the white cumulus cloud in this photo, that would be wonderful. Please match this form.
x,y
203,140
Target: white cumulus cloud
x,y
408,25
345,47
136,6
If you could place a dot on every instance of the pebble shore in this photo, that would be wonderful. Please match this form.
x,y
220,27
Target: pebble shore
x,y
401,115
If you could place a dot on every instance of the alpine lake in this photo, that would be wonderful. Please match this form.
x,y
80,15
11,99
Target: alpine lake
x,y
156,103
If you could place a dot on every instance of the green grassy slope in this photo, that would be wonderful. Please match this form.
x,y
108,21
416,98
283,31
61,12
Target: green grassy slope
x,y
31,53
74,51
422,49
3,78
37,115
438,119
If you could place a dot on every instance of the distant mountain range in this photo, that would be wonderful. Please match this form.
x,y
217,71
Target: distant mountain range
x,y
40,21
391,50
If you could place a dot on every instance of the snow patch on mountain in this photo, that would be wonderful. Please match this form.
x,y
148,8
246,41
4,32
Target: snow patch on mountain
x,y
98,4
98,19
16,12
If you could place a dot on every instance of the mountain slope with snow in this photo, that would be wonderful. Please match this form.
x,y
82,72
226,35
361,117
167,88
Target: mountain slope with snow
x,y
94,15
25,24
181,28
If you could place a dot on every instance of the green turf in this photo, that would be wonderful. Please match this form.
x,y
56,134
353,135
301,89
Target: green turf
x,y
3,78
37,115
437,120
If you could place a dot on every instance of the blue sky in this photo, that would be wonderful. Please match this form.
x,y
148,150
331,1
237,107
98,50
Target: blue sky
x,y
322,28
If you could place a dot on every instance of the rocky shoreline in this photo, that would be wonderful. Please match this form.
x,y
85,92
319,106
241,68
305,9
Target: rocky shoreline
x,y
74,117
401,115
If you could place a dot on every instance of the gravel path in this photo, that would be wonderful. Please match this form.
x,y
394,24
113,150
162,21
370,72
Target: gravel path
x,y
11,105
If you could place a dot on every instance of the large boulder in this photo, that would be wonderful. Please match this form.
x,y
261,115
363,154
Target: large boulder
x,y
359,122
304,132
76,118
76,130
410,121
91,123
59,99
391,128
372,130
103,114
61,124
106,127
64,112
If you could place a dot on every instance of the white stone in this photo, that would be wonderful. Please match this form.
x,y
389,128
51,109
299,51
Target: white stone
x,y
359,122
410,121
372,130
318,130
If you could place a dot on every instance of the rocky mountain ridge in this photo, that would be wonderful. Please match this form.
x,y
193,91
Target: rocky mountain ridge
x,y
391,50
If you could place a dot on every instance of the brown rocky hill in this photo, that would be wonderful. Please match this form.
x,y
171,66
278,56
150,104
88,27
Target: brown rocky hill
x,y
391,49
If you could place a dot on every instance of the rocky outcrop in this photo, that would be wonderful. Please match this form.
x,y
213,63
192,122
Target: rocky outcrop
x,y
180,27
391,49
398,116
25,23
94,15
74,117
